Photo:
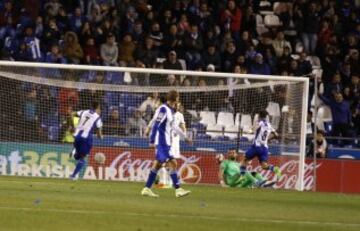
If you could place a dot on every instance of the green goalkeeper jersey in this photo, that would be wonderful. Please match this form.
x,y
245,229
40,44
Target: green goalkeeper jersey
x,y
231,171
233,178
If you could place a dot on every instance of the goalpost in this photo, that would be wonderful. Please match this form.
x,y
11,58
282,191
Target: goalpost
x,y
37,101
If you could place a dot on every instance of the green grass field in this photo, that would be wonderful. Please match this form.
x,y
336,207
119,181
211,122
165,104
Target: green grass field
x,y
52,204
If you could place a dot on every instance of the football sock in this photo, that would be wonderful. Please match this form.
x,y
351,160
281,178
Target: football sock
x,y
151,178
175,179
78,167
269,167
259,177
242,170
163,176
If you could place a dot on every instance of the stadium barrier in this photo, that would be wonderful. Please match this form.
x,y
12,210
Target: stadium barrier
x,y
133,164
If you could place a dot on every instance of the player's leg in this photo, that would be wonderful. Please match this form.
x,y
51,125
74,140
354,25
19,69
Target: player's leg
x,y
164,181
81,162
153,172
263,159
146,191
179,192
82,149
243,182
161,157
249,155
164,173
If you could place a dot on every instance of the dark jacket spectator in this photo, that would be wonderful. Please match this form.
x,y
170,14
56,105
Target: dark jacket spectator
x,y
146,54
259,66
341,114
172,40
304,65
172,62
51,34
335,86
193,40
55,55
77,20
212,56
229,56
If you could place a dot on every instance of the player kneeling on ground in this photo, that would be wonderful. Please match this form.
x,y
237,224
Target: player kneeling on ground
x,y
230,175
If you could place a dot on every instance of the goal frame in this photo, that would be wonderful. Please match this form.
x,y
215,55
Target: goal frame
x,y
304,80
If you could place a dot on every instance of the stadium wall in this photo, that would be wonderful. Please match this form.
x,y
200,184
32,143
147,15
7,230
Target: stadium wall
x,y
133,164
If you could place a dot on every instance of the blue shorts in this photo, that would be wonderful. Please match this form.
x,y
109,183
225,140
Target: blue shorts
x,y
163,154
82,147
262,153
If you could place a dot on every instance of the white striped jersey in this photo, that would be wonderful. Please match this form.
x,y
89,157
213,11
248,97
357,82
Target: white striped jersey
x,y
164,126
262,133
89,120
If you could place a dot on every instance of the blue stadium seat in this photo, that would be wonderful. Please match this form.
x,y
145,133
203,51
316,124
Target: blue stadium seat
x,y
222,138
244,139
50,120
112,99
88,76
328,128
129,99
114,78
201,136
199,127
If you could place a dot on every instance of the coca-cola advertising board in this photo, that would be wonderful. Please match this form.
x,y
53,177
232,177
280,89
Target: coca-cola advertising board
x,y
201,167
133,164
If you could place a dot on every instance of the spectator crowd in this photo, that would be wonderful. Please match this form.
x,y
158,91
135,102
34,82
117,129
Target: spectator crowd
x,y
207,35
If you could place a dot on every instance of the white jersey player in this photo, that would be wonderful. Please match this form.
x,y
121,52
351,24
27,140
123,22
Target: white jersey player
x,y
178,122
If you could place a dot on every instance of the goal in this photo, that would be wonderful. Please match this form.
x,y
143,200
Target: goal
x,y
37,102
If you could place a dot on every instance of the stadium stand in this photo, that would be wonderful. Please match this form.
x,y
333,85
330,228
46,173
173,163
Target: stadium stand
x,y
300,38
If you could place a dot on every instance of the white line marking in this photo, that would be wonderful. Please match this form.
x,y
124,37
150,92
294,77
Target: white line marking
x,y
53,210
238,219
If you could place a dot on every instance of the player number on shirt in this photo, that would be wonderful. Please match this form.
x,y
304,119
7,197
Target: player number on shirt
x,y
86,120
263,137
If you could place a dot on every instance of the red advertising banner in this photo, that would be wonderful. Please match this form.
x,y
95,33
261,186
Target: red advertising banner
x,y
126,164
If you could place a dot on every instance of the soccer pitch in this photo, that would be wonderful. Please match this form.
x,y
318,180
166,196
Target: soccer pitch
x,y
53,204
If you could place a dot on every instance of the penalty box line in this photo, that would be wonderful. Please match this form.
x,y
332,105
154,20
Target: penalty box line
x,y
214,218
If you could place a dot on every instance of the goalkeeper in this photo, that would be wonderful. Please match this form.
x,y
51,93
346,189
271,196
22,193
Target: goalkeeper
x,y
230,176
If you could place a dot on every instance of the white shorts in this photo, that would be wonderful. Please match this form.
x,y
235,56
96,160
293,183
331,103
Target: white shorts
x,y
175,150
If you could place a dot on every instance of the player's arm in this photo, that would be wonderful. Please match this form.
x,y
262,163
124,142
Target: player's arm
x,y
149,126
77,113
182,124
99,132
181,133
160,116
222,175
273,135
256,127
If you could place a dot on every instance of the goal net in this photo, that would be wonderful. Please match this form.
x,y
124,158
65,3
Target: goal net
x,y
37,120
